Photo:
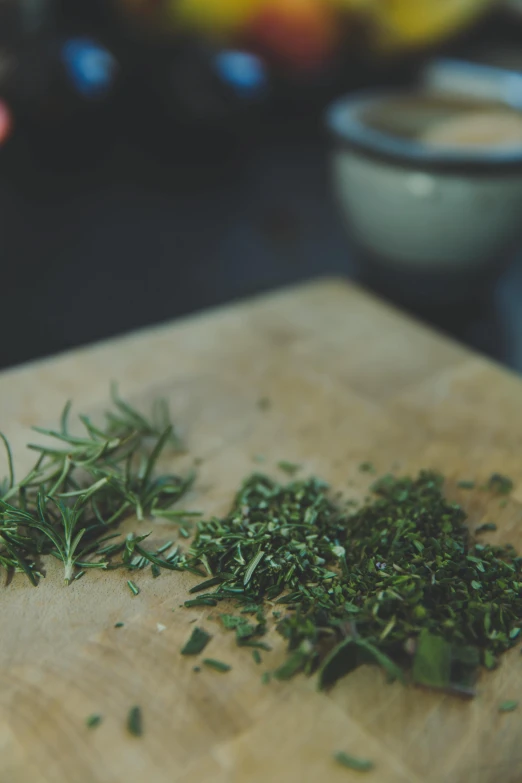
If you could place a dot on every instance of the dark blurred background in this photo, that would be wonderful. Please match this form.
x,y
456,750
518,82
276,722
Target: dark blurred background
x,y
174,172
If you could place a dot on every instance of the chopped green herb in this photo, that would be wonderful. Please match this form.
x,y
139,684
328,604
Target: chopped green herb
x,y
133,587
508,706
93,721
432,661
196,669
216,580
156,571
288,467
256,655
399,581
366,467
466,484
119,625
265,678
197,642
202,600
219,666
135,722
501,485
351,762
486,528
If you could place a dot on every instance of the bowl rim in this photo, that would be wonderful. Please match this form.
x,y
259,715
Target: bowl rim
x,y
347,129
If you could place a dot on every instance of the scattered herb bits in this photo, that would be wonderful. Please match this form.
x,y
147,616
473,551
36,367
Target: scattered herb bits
x,y
133,587
135,722
93,721
218,666
508,706
399,582
352,762
197,642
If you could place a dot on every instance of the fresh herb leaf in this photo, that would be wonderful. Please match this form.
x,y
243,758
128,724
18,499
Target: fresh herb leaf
x,y
218,666
352,762
135,722
93,721
485,528
432,661
508,706
501,485
289,467
197,642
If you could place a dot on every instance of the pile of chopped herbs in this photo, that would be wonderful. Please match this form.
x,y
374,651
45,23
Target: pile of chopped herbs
x,y
82,486
401,581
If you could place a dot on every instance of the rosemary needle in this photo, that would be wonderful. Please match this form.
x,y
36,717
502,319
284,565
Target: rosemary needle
x,y
218,666
135,722
93,721
133,587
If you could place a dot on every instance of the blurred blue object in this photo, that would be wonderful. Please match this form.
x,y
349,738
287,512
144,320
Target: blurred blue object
x,y
90,67
474,80
243,71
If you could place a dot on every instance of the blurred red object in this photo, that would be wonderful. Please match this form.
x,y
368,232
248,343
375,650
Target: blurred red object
x,y
6,122
298,33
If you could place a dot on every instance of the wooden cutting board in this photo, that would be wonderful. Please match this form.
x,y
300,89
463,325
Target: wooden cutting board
x,y
349,380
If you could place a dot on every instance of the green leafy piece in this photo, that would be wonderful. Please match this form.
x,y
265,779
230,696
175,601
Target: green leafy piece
x,y
508,706
432,661
93,721
466,484
133,587
294,664
218,666
135,722
256,656
289,467
485,528
119,625
197,642
252,567
490,661
201,601
342,660
216,580
501,485
373,654
352,762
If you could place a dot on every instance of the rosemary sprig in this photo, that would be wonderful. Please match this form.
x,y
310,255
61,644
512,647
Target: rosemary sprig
x,y
82,485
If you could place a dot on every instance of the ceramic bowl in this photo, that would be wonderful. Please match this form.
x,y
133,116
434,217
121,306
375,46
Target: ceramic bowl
x,y
441,215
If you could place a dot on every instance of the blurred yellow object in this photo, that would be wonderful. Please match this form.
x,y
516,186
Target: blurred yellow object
x,y
393,25
408,24
220,17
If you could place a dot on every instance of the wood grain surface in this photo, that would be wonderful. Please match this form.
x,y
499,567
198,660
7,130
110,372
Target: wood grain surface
x,y
350,380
